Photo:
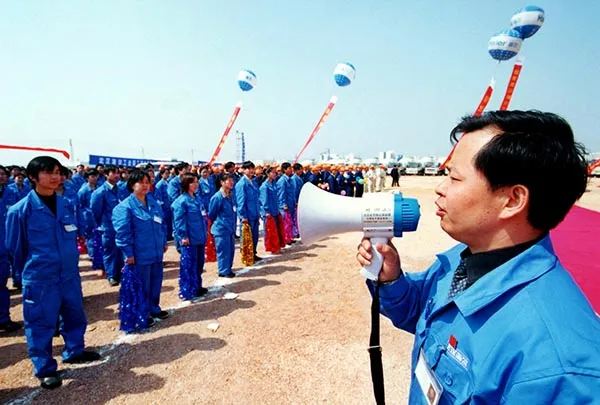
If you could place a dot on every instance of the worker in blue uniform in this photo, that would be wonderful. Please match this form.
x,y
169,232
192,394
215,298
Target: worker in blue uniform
x,y
248,202
16,191
41,233
122,190
297,179
497,318
6,324
103,202
222,215
140,236
269,202
78,178
189,224
286,191
162,196
174,187
206,187
84,195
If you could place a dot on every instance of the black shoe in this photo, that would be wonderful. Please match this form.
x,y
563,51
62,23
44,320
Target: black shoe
x,y
10,326
51,381
257,258
202,292
85,357
228,275
161,315
113,282
150,323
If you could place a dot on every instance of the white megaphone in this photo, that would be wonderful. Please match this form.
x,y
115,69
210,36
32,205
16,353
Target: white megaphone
x,y
379,217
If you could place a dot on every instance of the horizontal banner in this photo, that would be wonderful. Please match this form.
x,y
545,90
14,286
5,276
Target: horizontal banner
x,y
118,161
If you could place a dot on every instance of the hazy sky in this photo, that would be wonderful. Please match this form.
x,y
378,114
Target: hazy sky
x,y
119,76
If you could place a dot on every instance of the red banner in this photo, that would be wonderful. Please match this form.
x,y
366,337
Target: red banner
x,y
324,117
478,111
37,149
593,165
234,116
510,89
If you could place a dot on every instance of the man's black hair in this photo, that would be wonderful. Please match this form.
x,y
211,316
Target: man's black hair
x,y
284,166
248,165
90,172
108,169
42,164
536,150
229,165
297,166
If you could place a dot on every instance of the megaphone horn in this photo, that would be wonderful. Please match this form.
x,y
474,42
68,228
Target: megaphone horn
x,y
379,217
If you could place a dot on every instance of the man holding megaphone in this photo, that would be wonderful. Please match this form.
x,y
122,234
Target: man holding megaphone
x,y
497,318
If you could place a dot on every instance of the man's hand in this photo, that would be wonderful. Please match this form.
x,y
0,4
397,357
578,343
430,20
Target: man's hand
x,y
165,249
390,270
130,260
185,242
268,215
245,221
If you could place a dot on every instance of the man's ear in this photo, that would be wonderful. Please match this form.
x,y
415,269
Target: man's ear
x,y
516,201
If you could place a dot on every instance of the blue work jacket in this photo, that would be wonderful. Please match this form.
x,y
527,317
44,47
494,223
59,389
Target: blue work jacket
x,y
222,214
43,243
247,198
524,333
188,219
139,230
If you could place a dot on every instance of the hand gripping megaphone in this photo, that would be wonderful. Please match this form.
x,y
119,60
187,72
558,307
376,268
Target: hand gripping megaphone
x,y
379,217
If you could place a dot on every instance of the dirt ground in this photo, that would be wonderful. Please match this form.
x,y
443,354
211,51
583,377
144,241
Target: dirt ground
x,y
297,333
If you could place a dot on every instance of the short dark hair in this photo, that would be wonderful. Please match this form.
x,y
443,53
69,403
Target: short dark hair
x,y
4,169
268,170
248,165
297,166
224,176
284,166
180,166
187,179
90,172
99,165
536,150
229,165
207,167
136,176
42,164
108,169
64,171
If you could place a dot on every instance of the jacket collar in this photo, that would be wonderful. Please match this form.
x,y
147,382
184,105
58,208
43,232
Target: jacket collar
x,y
522,269
38,204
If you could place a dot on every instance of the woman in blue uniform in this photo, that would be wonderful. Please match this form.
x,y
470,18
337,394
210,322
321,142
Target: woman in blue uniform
x,y
140,236
222,215
189,224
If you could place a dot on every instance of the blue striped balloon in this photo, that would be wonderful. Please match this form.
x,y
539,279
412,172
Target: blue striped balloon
x,y
246,80
528,20
344,74
505,44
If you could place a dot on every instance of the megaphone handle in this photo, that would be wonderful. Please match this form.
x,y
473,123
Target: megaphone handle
x,y
372,271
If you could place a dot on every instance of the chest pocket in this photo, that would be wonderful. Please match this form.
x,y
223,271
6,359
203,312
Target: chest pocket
x,y
40,227
68,230
454,377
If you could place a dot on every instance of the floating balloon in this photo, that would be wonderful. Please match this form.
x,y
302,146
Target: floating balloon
x,y
505,44
344,74
527,21
246,80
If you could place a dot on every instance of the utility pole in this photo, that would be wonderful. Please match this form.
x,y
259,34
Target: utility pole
x,y
71,150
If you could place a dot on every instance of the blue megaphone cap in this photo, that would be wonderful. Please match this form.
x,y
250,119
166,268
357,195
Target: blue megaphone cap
x,y
406,214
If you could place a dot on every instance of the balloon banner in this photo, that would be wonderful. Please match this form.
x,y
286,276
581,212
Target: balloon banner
x,y
234,116
324,117
37,149
593,165
486,98
514,77
482,104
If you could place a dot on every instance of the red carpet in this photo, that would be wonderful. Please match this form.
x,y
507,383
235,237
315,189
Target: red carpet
x,y
577,244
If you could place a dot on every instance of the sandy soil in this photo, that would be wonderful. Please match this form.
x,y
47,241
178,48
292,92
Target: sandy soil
x,y
297,333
